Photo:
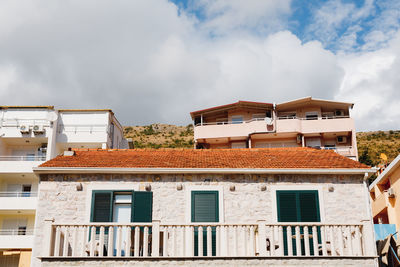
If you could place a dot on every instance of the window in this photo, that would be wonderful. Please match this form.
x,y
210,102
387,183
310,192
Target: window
x,y
312,115
222,121
103,205
259,116
204,208
26,190
122,207
238,145
298,206
237,119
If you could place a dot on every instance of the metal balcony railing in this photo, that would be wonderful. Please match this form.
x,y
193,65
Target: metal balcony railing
x,y
23,158
16,231
18,194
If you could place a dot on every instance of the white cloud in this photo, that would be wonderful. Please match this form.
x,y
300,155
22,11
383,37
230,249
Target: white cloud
x,y
371,81
225,16
150,64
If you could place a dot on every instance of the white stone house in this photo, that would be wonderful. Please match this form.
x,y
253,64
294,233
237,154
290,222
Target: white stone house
x,y
232,207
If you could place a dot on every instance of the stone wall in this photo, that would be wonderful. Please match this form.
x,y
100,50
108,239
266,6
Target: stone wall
x,y
343,198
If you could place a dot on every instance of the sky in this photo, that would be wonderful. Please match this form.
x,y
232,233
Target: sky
x,y
155,61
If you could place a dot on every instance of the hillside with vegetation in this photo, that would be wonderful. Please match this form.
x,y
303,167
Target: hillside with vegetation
x,y
160,136
370,144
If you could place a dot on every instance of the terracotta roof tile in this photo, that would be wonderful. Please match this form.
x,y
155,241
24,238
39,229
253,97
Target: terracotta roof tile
x,y
275,158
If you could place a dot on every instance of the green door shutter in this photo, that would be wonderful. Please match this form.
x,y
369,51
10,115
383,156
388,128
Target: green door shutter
x,y
287,210
309,206
298,206
205,208
102,206
142,206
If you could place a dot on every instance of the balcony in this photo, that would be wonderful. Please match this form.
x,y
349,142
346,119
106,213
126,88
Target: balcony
x,y
380,203
22,201
199,240
82,133
20,164
321,125
14,238
346,151
229,129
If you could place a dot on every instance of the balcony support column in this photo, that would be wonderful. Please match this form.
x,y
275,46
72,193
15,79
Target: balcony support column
x,y
48,234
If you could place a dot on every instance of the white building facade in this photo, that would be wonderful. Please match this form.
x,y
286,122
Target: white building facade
x,y
30,135
204,208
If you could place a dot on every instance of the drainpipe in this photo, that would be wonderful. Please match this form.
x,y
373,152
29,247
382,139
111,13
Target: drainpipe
x,y
274,116
201,119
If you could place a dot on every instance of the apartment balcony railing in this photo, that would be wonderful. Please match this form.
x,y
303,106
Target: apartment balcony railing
x,y
342,150
232,129
83,128
232,122
18,194
208,240
19,122
23,158
16,232
289,117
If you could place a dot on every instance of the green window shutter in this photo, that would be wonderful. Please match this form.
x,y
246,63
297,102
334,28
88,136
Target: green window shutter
x,y
102,206
205,206
298,206
287,208
309,206
142,206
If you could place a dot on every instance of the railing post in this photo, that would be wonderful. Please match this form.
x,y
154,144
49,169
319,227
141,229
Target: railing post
x,y
368,238
155,239
48,232
262,238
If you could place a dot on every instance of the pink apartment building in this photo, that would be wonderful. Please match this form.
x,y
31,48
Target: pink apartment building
x,y
304,122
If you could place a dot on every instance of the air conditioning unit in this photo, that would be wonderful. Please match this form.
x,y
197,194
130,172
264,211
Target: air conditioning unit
x,y
298,139
24,128
341,139
38,128
339,113
391,193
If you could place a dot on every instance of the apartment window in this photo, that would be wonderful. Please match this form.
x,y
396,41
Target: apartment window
x,y
205,208
26,190
222,121
238,145
259,116
121,207
30,157
298,206
104,204
237,119
22,230
312,115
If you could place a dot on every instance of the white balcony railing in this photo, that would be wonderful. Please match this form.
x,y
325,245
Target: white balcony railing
x,y
18,194
208,239
22,158
293,117
233,122
19,122
343,150
16,232
85,128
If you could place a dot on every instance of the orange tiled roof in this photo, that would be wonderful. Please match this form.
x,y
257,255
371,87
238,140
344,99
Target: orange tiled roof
x,y
264,158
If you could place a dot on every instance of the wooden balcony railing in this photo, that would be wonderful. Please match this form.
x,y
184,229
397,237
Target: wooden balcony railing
x,y
208,240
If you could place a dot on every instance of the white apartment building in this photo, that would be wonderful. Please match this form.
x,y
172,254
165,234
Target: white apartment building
x,y
30,135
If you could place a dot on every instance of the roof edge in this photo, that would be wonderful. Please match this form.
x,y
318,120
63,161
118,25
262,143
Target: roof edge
x,y
388,170
58,170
